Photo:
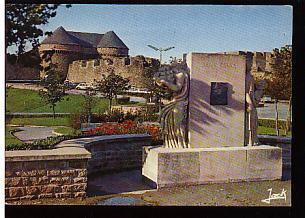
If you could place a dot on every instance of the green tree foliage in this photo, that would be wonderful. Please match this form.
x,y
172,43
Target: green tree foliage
x,y
89,103
54,89
279,83
279,79
23,23
112,85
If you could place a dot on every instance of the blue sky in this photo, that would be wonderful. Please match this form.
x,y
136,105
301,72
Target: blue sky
x,y
190,28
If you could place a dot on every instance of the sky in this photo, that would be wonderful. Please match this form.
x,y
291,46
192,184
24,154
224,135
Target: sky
x,y
189,28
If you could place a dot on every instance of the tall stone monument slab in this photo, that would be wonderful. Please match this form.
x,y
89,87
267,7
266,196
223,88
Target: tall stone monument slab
x,y
207,124
216,100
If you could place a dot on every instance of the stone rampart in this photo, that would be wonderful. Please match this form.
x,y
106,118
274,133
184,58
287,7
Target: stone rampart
x,y
132,68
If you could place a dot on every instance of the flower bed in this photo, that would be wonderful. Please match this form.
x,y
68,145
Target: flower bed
x,y
126,127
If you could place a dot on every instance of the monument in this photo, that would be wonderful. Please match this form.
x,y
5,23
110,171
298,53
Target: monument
x,y
210,125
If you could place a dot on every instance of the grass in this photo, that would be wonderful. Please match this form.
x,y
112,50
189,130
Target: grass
x,y
66,130
262,130
9,138
24,100
41,121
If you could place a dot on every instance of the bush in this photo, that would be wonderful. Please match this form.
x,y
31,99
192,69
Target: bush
x,y
76,119
271,123
126,127
115,116
123,100
47,143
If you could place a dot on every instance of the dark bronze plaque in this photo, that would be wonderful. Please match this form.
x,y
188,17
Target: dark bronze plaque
x,y
219,93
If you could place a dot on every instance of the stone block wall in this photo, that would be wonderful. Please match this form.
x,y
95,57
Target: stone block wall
x,y
117,154
282,142
45,179
133,68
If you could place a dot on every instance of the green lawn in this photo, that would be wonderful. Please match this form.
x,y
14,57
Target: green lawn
x,y
41,121
262,130
66,130
9,138
24,100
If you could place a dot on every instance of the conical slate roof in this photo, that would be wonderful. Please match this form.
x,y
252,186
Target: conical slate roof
x,y
111,40
62,37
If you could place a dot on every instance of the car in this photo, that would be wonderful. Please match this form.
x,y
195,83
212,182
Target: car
x,y
70,85
267,99
82,86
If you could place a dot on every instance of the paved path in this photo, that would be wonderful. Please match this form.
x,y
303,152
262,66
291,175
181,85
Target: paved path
x,y
268,111
30,133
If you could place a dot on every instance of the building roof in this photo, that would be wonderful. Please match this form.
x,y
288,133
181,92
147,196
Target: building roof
x,y
111,40
92,38
63,37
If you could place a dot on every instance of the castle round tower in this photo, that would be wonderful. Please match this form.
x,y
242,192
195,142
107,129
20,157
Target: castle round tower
x,y
111,46
66,48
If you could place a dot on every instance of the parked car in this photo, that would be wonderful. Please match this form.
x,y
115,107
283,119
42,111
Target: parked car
x,y
82,86
70,85
267,99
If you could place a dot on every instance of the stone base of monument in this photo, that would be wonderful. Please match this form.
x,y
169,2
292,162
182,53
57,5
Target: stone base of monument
x,y
163,167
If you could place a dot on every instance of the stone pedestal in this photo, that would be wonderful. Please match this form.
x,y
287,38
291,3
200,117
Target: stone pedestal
x,y
164,167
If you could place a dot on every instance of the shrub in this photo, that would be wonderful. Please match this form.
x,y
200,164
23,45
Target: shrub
x,y
76,119
99,118
123,100
126,127
271,123
115,116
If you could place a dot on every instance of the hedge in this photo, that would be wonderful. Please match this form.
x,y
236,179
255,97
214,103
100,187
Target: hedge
x,y
271,123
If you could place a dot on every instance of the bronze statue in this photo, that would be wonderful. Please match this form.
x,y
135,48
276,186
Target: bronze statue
x,y
173,117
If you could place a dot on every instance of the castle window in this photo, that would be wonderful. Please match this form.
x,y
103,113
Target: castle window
x,y
84,63
96,63
126,61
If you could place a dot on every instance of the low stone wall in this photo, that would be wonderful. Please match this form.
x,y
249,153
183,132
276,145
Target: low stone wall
x,y
55,173
282,142
117,152
62,172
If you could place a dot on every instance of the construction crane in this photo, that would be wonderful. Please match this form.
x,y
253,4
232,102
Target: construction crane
x,y
160,50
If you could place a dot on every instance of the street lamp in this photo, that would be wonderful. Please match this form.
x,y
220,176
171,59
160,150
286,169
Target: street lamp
x,y
161,50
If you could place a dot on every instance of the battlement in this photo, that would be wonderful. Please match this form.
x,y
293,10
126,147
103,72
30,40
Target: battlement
x,y
138,61
132,68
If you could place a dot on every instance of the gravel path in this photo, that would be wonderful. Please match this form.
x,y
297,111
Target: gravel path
x,y
30,133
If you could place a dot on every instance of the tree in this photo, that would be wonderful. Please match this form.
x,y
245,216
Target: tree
x,y
54,88
279,84
112,85
23,21
89,102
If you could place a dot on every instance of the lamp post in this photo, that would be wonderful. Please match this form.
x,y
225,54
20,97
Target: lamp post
x,y
160,50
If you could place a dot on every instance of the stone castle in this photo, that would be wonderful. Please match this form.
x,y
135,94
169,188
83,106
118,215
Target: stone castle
x,y
258,63
85,57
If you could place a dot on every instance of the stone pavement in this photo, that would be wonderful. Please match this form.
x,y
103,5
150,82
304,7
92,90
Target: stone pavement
x,y
31,133
115,183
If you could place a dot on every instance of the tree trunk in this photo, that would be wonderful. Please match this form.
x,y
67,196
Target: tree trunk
x,y
276,118
53,108
288,119
110,104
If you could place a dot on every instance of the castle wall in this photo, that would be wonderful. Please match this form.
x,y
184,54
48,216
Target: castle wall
x,y
66,54
88,71
112,52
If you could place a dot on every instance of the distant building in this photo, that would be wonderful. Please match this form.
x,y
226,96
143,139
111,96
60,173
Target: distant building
x,y
257,62
84,57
